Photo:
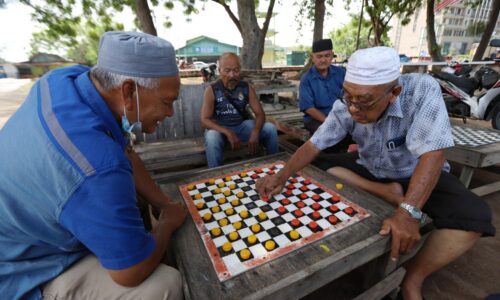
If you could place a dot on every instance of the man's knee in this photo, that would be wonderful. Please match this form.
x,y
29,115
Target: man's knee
x,y
164,283
269,129
213,137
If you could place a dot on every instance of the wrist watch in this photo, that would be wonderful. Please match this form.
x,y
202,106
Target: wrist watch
x,y
414,211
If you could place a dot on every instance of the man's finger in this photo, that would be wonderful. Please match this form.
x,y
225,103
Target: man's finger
x,y
386,229
403,246
395,247
276,190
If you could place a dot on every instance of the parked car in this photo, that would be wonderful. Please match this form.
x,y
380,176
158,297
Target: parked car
x,y
198,65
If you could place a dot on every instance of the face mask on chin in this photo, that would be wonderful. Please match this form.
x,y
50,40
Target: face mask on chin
x,y
127,128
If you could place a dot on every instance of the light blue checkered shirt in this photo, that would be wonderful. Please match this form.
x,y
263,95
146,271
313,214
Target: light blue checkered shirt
x,y
416,123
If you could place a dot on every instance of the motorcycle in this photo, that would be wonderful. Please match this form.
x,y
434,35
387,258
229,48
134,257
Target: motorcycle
x,y
476,96
209,73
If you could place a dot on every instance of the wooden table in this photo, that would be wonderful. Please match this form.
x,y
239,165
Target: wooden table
x,y
293,275
475,157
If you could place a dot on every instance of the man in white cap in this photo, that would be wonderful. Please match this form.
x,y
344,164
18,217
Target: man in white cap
x,y
69,220
401,126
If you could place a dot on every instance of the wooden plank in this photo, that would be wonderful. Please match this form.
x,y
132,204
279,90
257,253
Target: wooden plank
x,y
466,175
292,275
192,100
487,189
384,287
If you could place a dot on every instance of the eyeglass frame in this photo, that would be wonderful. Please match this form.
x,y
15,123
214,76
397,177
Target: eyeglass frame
x,y
368,106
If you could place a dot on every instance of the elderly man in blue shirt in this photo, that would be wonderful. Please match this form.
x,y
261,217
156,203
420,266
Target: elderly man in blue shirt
x,y
320,86
69,222
401,126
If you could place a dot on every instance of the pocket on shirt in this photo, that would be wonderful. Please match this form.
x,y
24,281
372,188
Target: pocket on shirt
x,y
395,143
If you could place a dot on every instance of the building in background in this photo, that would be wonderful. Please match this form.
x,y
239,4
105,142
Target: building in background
x,y
457,28
203,48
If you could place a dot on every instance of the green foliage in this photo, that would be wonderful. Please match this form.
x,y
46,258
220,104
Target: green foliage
x,y
81,49
306,11
344,38
475,28
381,12
74,26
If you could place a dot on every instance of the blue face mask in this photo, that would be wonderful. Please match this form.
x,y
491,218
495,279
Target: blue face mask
x,y
127,128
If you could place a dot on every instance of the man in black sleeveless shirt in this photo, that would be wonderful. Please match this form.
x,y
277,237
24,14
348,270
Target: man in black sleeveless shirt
x,y
225,117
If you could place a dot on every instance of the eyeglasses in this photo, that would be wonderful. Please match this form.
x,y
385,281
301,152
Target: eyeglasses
x,y
365,106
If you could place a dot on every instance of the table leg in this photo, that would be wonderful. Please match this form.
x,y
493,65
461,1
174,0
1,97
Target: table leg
x,y
466,175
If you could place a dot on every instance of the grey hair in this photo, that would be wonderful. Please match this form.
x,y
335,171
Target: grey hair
x,y
109,80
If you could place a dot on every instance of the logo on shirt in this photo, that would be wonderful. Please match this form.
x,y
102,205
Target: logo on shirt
x,y
241,96
394,143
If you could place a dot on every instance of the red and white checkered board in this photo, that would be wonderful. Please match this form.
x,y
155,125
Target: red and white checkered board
x,y
303,202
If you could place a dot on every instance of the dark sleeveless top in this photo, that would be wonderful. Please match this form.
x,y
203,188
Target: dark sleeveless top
x,y
230,105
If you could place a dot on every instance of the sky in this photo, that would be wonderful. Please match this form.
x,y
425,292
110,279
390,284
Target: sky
x,y
212,20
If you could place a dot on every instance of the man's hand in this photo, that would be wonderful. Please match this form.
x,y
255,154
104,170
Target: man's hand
x,y
270,185
404,231
253,142
233,140
172,214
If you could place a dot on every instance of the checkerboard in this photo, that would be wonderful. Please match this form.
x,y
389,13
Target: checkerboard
x,y
471,137
241,230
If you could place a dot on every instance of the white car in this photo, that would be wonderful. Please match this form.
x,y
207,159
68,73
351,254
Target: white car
x,y
198,65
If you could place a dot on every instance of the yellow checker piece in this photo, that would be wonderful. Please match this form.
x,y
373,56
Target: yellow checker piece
x,y
223,222
245,254
233,236
237,225
252,239
216,231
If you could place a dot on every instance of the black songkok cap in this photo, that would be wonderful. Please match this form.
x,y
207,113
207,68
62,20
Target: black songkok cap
x,y
322,45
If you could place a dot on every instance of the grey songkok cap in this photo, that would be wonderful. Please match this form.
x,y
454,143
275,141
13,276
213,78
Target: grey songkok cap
x,y
136,54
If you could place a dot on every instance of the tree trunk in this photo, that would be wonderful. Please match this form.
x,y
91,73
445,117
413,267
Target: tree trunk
x,y
144,16
492,20
253,37
434,49
319,19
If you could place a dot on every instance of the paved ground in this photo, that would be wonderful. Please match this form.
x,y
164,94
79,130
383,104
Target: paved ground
x,y
472,276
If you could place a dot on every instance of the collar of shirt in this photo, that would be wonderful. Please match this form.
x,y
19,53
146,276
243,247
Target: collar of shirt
x,y
394,110
316,74
92,97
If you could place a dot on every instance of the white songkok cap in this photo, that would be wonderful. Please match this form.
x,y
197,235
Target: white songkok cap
x,y
373,66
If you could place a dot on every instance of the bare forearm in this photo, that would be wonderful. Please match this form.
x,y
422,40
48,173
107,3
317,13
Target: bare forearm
x,y
211,124
144,184
136,274
425,178
316,114
259,122
301,158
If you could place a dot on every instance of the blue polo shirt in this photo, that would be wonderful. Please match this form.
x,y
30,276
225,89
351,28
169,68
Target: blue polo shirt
x,y
66,186
315,91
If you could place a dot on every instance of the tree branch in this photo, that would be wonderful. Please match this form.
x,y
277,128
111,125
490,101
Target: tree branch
x,y
230,13
269,14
